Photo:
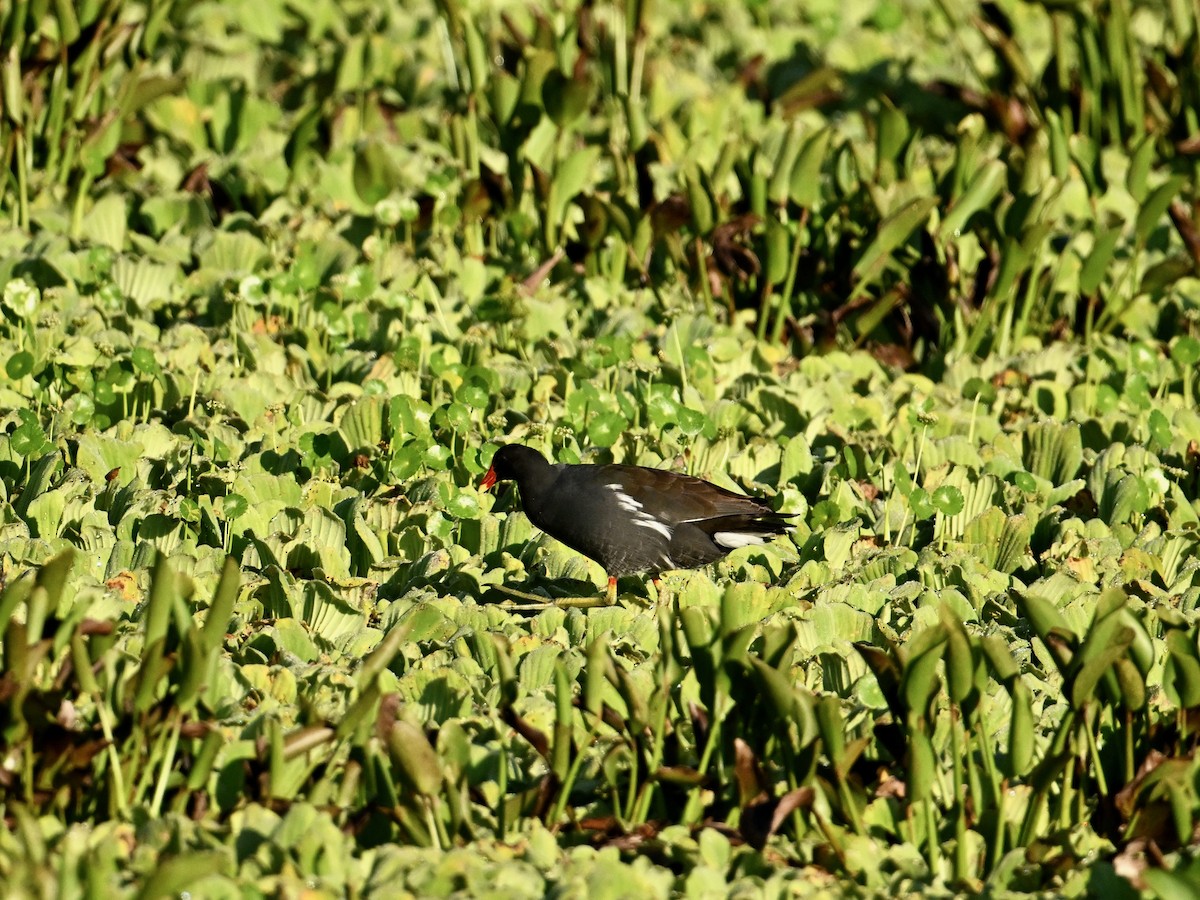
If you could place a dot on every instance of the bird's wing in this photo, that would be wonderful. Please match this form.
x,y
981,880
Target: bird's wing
x,y
674,499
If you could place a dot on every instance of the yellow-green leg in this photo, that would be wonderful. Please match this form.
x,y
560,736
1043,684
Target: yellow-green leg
x,y
660,592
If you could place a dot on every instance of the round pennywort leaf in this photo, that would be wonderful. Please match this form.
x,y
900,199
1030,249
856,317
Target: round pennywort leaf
x,y
80,409
436,457
21,297
605,429
189,510
1025,481
27,440
405,463
824,515
921,503
19,365
235,506
473,395
1160,428
663,410
691,421
1186,351
459,417
144,361
979,389
948,500
463,506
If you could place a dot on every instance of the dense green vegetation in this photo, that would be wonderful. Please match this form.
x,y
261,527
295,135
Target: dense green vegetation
x,y
279,277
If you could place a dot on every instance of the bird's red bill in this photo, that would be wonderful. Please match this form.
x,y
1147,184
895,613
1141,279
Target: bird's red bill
x,y
489,479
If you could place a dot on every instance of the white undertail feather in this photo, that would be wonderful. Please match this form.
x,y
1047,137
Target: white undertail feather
x,y
641,519
731,540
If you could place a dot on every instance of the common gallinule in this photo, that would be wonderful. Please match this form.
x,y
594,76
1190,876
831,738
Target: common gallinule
x,y
632,519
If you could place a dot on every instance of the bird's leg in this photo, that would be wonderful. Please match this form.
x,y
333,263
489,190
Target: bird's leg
x,y
611,596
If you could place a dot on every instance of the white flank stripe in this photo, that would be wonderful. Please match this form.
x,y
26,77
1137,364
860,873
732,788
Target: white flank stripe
x,y
731,540
624,501
641,519
645,521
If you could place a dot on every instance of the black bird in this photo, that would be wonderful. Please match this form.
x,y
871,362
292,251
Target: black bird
x,y
632,519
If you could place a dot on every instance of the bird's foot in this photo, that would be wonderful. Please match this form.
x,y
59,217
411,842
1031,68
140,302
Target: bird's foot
x,y
661,596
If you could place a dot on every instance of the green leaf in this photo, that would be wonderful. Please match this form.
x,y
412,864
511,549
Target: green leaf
x,y
691,421
107,220
922,764
235,506
565,98
405,462
464,505
1043,616
436,457
19,365
1155,206
832,727
144,361
1013,543
976,388
40,475
960,658
779,186
919,681
375,173
1186,351
806,173
1096,662
417,760
605,429
662,409
1168,885
1020,731
948,500
921,503
473,395
174,876
147,284
980,194
220,611
1096,266
28,440
1053,451
893,231
459,417
1181,674
80,409
570,177
699,202
1160,429
362,424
